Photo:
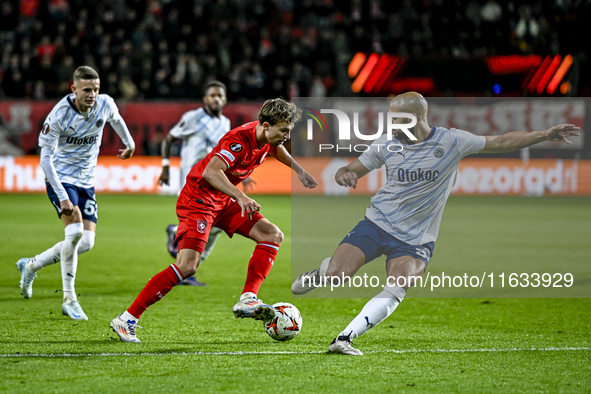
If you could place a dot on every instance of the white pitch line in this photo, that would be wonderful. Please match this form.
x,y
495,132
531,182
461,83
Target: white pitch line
x,y
51,355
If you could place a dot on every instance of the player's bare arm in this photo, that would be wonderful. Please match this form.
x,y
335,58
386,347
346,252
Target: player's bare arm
x,y
284,157
165,148
516,140
214,174
349,175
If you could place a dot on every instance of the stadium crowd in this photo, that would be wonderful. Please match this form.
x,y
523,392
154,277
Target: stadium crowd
x,y
146,49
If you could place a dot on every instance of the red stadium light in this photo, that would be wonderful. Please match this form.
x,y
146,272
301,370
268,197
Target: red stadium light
x,y
356,64
390,73
365,72
377,72
418,84
562,69
548,74
512,64
534,81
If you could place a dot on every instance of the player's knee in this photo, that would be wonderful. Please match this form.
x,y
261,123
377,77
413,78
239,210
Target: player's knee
x,y
87,242
187,262
271,233
189,271
74,233
276,235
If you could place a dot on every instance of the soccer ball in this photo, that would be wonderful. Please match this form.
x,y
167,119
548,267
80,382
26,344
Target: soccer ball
x,y
286,324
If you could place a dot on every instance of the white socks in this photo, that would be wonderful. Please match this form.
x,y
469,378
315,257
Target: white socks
x,y
324,266
126,316
69,258
375,311
50,256
53,254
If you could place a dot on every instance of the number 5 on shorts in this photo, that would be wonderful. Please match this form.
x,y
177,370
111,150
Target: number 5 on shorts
x,y
90,208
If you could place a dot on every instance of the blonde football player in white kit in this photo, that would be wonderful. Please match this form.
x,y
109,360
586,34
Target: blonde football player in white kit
x,y
200,130
70,140
402,220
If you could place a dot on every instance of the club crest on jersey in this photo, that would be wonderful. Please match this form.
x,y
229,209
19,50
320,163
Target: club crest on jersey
x,y
99,123
201,226
45,129
438,152
235,147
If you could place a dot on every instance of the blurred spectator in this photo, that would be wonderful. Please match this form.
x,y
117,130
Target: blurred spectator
x,y
261,48
8,19
14,80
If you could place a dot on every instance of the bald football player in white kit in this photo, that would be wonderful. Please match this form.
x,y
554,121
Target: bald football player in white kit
x,y
70,140
200,131
403,218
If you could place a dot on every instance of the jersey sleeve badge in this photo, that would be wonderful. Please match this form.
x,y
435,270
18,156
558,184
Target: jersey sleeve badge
x,y
228,155
235,147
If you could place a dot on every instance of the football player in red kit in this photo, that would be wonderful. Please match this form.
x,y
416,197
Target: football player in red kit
x,y
211,198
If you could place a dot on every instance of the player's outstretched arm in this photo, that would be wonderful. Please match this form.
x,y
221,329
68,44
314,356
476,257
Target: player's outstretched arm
x,y
349,175
283,156
214,174
165,147
516,140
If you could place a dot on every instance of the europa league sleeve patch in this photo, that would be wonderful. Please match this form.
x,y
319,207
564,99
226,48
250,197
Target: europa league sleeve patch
x,y
228,155
45,129
235,147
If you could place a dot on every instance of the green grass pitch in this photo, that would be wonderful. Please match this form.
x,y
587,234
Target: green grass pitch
x,y
192,342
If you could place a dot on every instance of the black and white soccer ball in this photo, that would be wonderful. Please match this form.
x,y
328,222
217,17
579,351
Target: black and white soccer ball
x,y
286,324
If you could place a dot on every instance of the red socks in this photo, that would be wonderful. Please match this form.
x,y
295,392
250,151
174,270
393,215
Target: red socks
x,y
155,289
259,266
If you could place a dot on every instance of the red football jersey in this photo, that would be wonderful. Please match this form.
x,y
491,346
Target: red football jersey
x,y
239,150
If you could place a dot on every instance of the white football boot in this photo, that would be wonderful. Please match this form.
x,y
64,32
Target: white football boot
x,y
27,277
73,310
125,329
343,345
255,308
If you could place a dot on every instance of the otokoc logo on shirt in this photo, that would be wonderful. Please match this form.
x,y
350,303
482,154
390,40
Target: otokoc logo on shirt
x,y
82,141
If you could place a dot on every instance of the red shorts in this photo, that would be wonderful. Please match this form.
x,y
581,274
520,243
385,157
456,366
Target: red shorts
x,y
196,218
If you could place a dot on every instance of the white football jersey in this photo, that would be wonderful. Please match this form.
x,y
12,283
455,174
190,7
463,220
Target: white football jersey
x,y
419,180
76,138
200,133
